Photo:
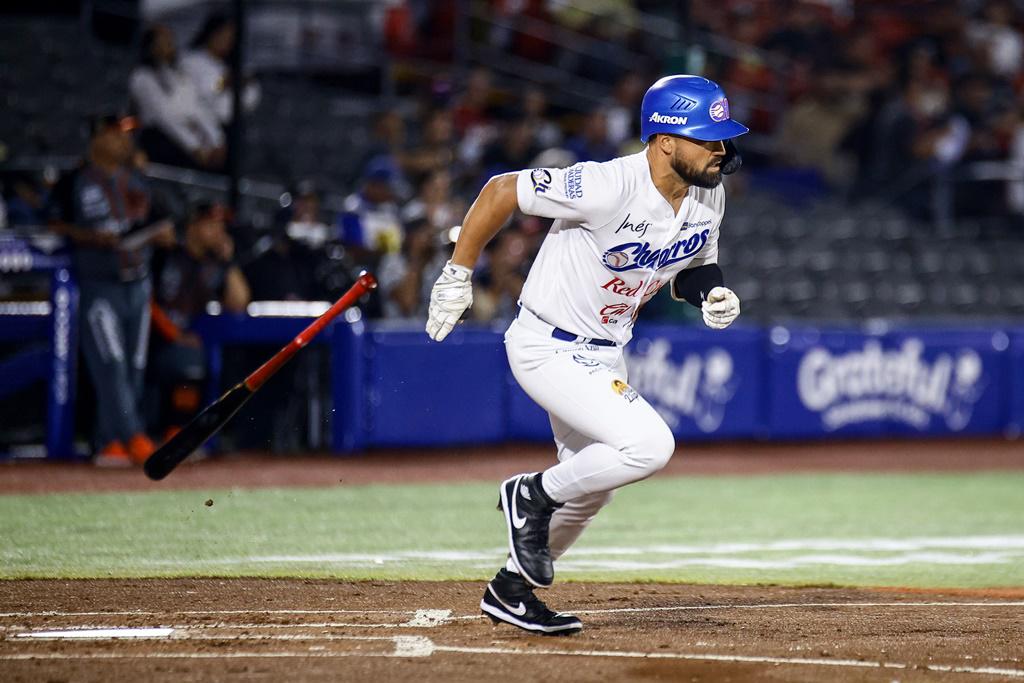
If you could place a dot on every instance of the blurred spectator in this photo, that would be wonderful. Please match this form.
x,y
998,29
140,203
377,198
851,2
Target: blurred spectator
x,y
303,219
472,107
512,151
107,211
177,126
26,202
530,43
1015,189
802,35
990,123
623,125
754,93
388,140
206,63
370,224
501,280
420,28
593,143
996,37
814,128
605,21
405,277
534,112
434,203
301,259
943,31
283,271
433,150
910,133
200,270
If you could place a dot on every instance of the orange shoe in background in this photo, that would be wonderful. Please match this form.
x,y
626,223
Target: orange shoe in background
x,y
114,454
140,447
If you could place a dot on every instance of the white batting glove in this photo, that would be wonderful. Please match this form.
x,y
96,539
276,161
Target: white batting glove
x,y
720,308
451,296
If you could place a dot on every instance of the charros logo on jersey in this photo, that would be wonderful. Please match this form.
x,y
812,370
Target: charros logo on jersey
x,y
633,255
890,384
700,387
662,118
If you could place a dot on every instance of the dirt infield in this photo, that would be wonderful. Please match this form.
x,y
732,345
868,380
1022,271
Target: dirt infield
x,y
493,463
271,630
306,630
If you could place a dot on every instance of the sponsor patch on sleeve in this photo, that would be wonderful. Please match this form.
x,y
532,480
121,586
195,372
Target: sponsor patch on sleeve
x,y
541,179
574,182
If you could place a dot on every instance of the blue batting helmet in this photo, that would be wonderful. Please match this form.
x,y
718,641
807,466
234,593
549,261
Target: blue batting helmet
x,y
691,106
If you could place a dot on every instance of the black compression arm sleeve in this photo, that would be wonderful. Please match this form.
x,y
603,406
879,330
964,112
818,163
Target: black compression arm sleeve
x,y
694,285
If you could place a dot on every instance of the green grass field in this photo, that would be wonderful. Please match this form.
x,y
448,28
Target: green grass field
x,y
928,530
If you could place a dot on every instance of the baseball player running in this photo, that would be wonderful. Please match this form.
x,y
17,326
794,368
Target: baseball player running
x,y
622,230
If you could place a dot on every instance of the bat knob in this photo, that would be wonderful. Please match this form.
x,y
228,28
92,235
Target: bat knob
x,y
367,280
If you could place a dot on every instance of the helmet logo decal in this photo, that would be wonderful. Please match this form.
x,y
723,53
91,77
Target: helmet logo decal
x,y
661,118
719,110
683,103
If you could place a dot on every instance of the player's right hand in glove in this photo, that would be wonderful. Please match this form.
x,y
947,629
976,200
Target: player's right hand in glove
x,y
720,308
451,296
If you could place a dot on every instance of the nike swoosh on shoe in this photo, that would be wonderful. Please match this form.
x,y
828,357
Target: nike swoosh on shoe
x,y
518,611
517,521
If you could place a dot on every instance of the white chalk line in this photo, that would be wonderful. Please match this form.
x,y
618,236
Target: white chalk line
x,y
420,646
99,633
432,617
237,626
147,613
780,555
802,605
421,618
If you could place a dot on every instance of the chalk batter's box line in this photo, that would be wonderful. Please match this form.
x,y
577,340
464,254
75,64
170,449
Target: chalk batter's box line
x,y
419,646
620,610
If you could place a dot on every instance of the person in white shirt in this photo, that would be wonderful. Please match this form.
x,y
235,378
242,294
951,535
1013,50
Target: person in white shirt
x,y
623,229
206,63
177,126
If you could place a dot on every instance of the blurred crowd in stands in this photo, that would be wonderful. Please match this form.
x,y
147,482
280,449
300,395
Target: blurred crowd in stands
x,y
862,100
895,102
892,102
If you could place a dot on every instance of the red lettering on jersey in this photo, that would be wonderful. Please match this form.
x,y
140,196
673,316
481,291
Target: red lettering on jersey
x,y
615,309
654,287
620,286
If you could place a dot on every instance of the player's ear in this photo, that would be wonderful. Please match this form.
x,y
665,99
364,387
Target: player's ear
x,y
664,143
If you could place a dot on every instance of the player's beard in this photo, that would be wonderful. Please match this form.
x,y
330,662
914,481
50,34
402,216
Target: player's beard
x,y
691,176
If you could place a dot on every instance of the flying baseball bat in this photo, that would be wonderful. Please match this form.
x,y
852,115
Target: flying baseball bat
x,y
214,416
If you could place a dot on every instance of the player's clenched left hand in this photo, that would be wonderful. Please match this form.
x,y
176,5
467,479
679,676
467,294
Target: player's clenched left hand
x,y
451,296
720,308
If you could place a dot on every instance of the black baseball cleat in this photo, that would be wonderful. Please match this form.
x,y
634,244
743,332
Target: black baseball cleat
x,y
528,510
510,599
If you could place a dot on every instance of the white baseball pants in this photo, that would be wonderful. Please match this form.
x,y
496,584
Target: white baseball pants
x,y
607,435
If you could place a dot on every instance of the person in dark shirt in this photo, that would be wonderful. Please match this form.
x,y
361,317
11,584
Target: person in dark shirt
x,y
188,277
291,263
106,210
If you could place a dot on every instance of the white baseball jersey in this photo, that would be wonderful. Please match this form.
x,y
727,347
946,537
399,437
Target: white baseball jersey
x,y
615,242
